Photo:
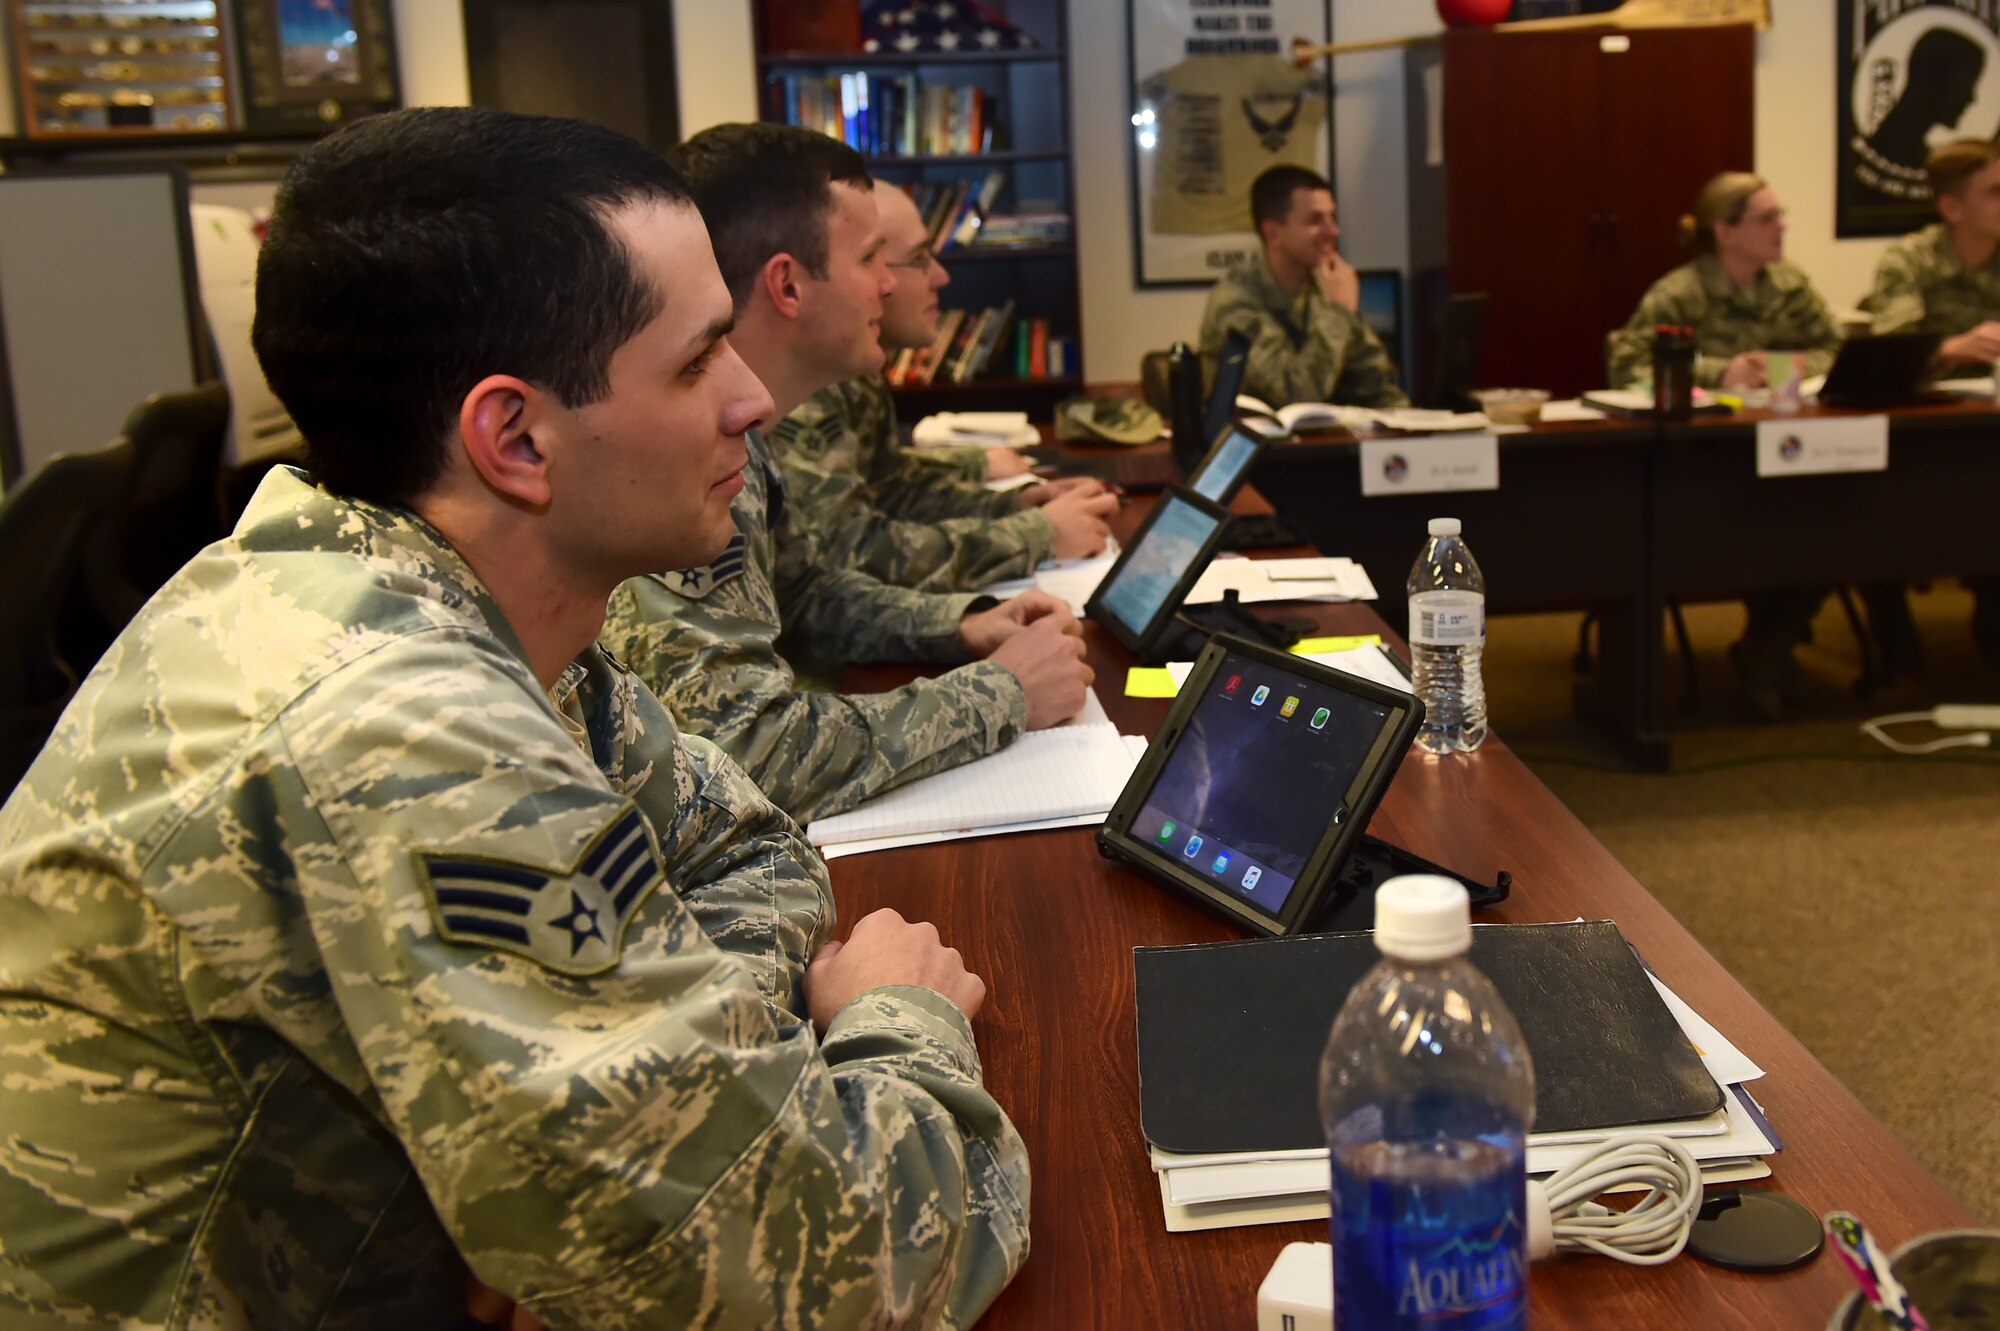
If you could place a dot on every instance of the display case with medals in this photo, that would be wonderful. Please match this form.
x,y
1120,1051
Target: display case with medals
x,y
128,67
118,69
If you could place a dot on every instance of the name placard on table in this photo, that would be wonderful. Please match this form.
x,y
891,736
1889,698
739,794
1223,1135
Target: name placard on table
x,y
1822,446
1430,464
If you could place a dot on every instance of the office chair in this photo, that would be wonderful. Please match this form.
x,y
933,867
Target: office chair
x,y
171,506
44,526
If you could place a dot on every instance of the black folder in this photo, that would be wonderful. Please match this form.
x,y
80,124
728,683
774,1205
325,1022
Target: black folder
x,y
1230,1034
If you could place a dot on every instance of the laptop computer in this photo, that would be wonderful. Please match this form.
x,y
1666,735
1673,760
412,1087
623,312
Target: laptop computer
x,y
1138,598
1880,371
1260,783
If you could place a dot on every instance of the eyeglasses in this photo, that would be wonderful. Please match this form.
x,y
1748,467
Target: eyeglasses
x,y
1770,217
916,263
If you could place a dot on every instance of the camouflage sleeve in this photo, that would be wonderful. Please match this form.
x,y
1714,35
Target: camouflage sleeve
x,y
1367,375
841,615
824,496
915,484
1275,370
613,1123
813,753
924,484
1629,350
1895,304
742,867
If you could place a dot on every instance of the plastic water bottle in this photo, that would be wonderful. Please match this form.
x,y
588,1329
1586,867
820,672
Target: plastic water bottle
x,y
1447,637
1427,1094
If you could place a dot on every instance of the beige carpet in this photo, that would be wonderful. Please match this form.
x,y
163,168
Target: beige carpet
x,y
1856,896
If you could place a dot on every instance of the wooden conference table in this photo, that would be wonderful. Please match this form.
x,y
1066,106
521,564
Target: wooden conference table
x,y
1623,517
1050,926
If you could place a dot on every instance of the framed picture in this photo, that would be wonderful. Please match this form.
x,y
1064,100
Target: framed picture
x,y
310,64
1216,100
1912,77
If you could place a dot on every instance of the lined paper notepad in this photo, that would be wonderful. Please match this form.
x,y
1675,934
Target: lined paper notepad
x,y
1066,772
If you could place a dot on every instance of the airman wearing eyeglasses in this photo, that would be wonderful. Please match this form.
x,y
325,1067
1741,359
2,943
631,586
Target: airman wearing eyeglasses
x,y
1738,294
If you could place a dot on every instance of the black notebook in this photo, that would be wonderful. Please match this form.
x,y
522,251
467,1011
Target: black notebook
x,y
1230,1034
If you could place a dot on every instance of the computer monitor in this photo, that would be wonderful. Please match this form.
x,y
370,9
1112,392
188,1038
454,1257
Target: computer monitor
x,y
1230,362
1382,307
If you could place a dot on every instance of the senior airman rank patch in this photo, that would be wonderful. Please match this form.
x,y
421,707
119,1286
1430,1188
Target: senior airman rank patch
x,y
695,583
570,920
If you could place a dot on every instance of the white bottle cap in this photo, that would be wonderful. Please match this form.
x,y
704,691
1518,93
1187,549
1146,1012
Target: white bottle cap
x,y
1444,526
1422,917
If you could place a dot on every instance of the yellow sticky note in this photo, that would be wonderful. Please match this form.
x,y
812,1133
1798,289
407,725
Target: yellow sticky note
x,y
1150,682
1317,646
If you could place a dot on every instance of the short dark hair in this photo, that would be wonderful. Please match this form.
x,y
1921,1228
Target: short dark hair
x,y
1957,162
764,189
412,254
1271,193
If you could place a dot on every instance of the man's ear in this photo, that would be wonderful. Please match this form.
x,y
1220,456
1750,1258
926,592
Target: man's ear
x,y
1951,208
780,281
497,426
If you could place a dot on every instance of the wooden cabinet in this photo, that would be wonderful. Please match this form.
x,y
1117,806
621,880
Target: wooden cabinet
x,y
1553,177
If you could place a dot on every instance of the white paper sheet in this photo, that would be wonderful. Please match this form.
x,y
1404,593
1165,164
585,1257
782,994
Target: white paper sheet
x,y
1252,583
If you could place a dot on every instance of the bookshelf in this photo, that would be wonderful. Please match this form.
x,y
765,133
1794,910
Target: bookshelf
x,y
1016,102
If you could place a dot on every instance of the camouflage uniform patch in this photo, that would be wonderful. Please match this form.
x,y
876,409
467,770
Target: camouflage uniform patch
x,y
716,662
1781,312
696,583
571,918
1303,348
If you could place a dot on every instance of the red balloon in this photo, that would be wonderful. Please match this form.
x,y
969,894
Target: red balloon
x,y
1473,13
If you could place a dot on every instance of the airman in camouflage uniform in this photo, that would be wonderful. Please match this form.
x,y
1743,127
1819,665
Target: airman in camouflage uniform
x,y
1781,312
1304,347
1921,286
707,640
349,938
331,941
820,448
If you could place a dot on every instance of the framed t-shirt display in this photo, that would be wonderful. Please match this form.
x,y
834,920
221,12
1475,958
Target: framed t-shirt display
x,y
1216,101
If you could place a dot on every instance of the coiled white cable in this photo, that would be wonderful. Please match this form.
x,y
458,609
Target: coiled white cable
x,y
1949,716
1562,1215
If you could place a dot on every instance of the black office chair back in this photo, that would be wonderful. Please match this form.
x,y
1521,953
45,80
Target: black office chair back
x,y
1455,371
171,508
44,525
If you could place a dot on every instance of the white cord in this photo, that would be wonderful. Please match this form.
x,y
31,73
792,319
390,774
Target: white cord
x,y
1875,729
1564,1217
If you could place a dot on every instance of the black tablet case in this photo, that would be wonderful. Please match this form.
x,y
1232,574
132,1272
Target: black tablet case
x,y
1230,1034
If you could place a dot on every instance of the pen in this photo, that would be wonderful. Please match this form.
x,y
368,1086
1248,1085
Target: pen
x,y
1864,1257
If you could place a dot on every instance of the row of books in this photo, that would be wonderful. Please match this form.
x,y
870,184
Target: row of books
x,y
954,209
960,212
990,343
884,115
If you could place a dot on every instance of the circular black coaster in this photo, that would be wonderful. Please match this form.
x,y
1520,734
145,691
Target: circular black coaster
x,y
1750,1229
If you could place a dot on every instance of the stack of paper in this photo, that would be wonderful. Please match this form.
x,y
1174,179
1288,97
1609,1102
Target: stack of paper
x,y
974,429
1319,579
1066,776
1261,1188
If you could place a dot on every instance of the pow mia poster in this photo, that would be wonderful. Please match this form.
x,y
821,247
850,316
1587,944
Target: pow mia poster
x,y
1914,74
1216,100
